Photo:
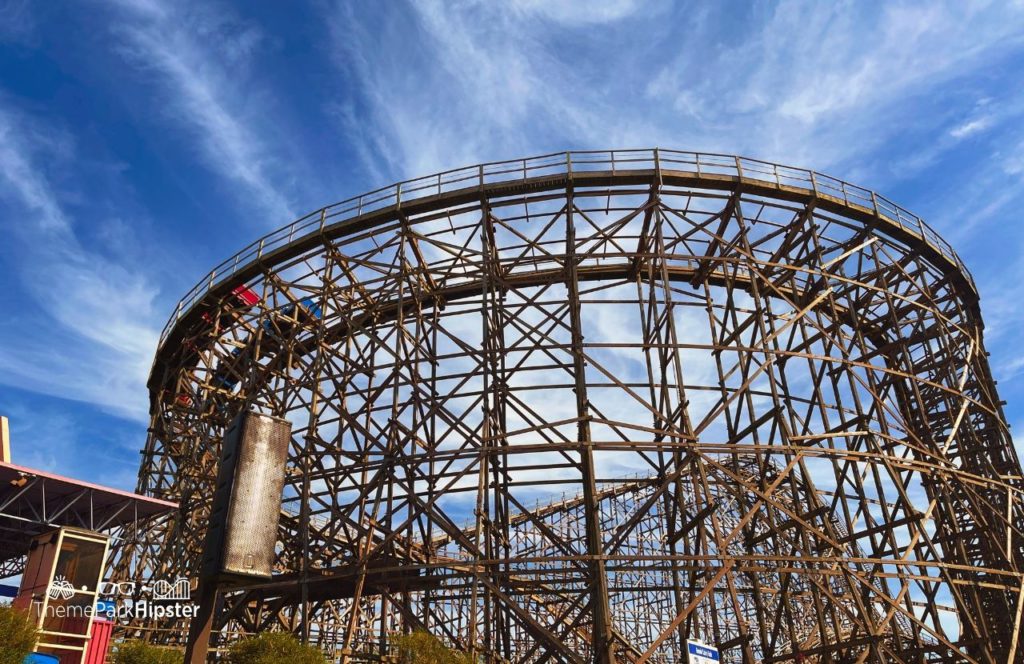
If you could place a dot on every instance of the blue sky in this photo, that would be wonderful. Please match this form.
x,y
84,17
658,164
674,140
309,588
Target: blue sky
x,y
143,141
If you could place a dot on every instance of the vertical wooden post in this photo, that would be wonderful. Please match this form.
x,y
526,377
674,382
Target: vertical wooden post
x,y
198,644
5,441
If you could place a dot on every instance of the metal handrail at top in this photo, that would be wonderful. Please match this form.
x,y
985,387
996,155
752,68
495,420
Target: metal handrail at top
x,y
708,165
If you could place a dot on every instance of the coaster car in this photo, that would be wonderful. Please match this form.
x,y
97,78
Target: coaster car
x,y
241,299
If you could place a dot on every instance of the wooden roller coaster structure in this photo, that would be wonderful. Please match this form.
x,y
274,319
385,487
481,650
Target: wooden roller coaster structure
x,y
586,406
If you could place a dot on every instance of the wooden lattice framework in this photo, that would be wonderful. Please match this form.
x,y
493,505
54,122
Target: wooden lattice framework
x,y
585,406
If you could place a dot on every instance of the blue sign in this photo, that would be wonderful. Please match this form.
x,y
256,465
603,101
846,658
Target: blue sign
x,y
40,658
698,653
106,607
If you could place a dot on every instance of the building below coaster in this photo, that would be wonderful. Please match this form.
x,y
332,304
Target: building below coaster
x,y
56,534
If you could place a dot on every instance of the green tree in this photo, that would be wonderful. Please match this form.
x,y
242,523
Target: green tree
x,y
137,652
422,647
273,648
17,635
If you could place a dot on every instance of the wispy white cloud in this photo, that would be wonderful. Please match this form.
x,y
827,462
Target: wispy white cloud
x,y
201,59
971,127
577,13
1012,368
21,175
1013,163
91,339
448,86
828,83
821,85
990,193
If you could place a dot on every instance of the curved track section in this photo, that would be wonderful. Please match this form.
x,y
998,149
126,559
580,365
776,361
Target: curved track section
x,y
592,407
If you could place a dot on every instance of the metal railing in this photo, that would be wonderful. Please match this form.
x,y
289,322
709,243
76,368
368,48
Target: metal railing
x,y
567,164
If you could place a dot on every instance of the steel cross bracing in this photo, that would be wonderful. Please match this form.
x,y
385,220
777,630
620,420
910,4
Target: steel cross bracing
x,y
586,418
